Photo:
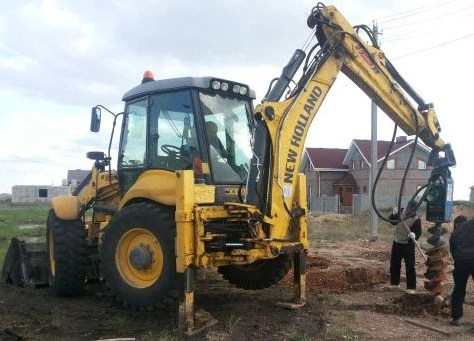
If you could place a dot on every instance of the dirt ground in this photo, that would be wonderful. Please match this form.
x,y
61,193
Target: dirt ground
x,y
347,300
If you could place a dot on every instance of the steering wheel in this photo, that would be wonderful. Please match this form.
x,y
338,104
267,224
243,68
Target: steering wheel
x,y
175,152
170,150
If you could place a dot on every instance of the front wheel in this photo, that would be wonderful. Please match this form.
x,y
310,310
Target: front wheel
x,y
67,255
138,256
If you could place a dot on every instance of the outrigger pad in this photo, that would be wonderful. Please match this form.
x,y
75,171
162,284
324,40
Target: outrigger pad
x,y
26,263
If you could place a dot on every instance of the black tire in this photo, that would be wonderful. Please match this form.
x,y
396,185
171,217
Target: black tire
x,y
258,275
156,223
67,255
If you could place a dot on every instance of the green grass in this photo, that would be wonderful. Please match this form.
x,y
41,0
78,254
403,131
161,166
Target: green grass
x,y
332,299
12,217
293,334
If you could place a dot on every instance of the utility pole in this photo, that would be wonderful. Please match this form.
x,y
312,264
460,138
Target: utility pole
x,y
373,152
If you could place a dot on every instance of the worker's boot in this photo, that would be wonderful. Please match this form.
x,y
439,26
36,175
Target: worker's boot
x,y
455,322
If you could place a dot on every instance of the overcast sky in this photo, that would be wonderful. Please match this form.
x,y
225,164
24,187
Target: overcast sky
x,y
60,58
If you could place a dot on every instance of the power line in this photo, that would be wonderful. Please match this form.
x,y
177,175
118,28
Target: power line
x,y
435,46
37,161
404,37
429,19
417,10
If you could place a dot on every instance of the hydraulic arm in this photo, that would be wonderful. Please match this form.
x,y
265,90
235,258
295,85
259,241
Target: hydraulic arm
x,y
282,126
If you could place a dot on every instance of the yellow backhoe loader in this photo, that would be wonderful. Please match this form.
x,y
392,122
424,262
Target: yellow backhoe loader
x,y
205,181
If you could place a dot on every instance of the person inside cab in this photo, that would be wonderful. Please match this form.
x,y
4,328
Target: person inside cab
x,y
214,141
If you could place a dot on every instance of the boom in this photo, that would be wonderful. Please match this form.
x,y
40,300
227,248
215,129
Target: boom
x,y
282,126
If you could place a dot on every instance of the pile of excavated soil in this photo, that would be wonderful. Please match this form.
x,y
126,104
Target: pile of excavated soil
x,y
320,278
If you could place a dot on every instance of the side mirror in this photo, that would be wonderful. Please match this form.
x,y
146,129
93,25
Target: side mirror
x,y
96,155
95,119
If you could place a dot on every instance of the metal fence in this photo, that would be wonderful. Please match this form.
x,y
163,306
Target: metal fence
x,y
329,204
363,202
325,204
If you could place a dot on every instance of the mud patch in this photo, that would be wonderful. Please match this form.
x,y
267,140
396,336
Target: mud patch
x,y
382,256
9,335
416,305
343,280
317,262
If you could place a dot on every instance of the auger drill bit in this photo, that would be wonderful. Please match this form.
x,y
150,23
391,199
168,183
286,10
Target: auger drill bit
x,y
436,263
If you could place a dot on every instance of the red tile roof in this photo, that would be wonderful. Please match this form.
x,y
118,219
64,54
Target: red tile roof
x,y
327,157
382,147
333,158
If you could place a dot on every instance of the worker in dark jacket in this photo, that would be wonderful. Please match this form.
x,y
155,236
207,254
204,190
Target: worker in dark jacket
x,y
403,246
461,245
460,219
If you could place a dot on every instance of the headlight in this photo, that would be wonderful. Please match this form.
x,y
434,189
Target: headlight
x,y
225,86
236,88
243,90
216,85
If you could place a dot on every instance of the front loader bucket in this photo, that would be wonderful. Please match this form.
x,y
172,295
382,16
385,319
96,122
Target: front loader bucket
x,y
26,263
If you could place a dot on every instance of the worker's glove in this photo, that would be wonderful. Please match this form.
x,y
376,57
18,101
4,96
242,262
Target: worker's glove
x,y
411,235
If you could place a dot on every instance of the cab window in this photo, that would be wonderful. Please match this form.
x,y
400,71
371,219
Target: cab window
x,y
133,148
228,133
173,138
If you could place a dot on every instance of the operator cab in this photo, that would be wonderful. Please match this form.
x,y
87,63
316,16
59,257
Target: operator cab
x,y
199,123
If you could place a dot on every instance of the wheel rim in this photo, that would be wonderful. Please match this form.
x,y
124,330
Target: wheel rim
x,y
52,262
145,271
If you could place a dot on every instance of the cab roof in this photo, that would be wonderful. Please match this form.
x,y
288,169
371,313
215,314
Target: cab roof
x,y
176,83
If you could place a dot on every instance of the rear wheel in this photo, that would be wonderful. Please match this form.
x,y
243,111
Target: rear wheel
x,y
138,256
258,275
67,255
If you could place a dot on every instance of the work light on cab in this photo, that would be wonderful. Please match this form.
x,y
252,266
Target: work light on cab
x,y
224,86
216,85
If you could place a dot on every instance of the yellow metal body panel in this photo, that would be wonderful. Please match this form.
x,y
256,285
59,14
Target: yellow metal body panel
x,y
103,187
103,190
288,133
190,232
184,217
301,201
66,207
155,185
204,194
